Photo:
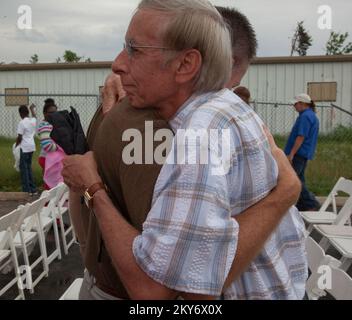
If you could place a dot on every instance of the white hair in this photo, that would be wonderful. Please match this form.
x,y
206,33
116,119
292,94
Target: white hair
x,y
196,24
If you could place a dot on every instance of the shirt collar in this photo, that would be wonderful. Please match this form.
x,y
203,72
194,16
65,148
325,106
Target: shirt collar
x,y
305,110
189,107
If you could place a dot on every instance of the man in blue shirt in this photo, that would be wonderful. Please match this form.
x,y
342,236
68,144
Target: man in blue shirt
x,y
301,147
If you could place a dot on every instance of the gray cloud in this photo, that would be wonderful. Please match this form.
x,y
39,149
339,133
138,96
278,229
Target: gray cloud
x,y
96,28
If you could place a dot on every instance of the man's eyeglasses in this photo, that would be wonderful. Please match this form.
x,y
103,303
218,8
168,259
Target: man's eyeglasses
x,y
131,47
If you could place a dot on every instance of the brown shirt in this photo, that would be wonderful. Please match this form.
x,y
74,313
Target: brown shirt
x,y
130,186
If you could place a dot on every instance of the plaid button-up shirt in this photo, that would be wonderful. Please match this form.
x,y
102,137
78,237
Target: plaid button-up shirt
x,y
189,239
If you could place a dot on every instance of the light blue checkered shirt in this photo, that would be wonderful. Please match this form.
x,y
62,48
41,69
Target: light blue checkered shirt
x,y
189,238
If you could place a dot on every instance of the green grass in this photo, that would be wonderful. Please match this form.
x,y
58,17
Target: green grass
x,y
333,160
9,178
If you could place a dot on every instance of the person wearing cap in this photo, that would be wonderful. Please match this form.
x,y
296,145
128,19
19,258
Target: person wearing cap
x,y
301,146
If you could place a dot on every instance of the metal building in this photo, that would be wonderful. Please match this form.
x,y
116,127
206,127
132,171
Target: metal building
x,y
273,82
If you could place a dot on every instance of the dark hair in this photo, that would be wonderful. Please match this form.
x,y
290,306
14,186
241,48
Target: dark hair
x,y
23,110
243,93
313,106
48,106
243,37
48,103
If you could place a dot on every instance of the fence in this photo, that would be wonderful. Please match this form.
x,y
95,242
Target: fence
x,y
9,117
333,157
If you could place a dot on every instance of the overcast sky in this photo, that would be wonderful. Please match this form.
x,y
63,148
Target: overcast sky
x,y
96,28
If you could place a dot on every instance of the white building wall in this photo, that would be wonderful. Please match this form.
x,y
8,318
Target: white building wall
x,y
279,83
271,82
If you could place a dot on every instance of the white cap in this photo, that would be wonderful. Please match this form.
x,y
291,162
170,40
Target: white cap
x,y
303,97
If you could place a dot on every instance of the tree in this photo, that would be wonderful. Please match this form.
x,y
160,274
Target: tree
x,y
335,44
301,40
58,60
70,56
34,59
88,60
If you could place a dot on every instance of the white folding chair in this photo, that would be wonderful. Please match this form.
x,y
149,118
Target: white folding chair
x,y
72,293
48,215
9,225
341,285
62,208
26,237
338,227
344,246
316,258
331,217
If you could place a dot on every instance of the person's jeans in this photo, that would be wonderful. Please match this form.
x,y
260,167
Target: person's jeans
x,y
26,172
307,200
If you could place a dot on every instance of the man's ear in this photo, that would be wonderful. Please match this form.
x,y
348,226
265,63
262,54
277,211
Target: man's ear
x,y
188,64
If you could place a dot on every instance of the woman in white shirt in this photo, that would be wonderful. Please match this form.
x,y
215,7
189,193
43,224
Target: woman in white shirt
x,y
25,139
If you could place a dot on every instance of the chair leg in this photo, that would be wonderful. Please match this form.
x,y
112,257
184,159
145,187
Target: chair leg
x,y
57,239
63,236
17,272
42,246
25,256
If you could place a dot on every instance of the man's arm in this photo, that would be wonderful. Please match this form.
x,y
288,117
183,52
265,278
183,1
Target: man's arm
x,y
117,233
32,109
258,222
18,140
298,142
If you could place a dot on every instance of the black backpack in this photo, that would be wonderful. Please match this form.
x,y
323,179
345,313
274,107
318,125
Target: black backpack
x,y
68,132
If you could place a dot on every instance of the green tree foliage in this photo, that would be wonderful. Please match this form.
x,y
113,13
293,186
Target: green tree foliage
x,y
335,44
70,56
301,40
34,59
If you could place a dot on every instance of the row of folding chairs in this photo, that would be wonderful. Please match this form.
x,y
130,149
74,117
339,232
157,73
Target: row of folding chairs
x,y
22,229
335,225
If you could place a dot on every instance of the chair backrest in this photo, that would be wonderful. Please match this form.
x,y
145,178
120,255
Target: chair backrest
x,y
343,185
34,208
345,213
62,190
315,254
50,195
12,221
316,258
341,285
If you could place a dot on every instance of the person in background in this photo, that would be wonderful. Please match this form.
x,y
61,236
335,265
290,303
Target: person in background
x,y
243,93
25,139
44,130
301,146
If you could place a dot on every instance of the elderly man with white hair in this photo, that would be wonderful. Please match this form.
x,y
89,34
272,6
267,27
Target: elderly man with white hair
x,y
178,59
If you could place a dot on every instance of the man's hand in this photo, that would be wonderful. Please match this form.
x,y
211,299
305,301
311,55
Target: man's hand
x,y
32,109
287,179
112,92
80,172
